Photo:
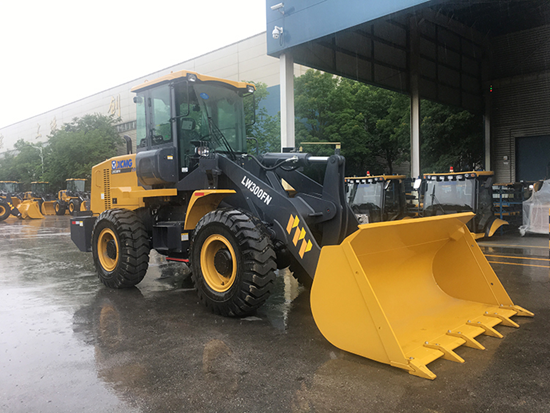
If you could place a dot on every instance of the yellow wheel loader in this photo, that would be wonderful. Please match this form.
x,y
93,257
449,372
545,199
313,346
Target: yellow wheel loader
x,y
377,198
9,200
403,292
11,190
73,199
31,207
456,192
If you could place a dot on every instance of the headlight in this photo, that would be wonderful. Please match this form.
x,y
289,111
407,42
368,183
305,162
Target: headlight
x,y
203,151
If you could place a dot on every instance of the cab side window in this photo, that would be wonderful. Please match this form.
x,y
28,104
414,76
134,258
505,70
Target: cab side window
x,y
160,110
141,129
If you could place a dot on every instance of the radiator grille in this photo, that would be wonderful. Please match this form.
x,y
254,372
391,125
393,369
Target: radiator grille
x,y
107,188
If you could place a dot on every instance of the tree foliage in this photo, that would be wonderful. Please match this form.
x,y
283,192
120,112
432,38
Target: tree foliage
x,y
265,129
373,126
450,137
369,122
70,152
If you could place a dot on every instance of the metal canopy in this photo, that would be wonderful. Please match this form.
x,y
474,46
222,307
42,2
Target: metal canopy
x,y
453,39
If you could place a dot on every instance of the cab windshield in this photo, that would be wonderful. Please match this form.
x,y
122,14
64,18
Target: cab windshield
x,y
9,187
39,187
449,196
367,195
76,186
366,199
222,109
209,114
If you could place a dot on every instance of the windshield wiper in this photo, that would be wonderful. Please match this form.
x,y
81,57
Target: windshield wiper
x,y
435,202
219,139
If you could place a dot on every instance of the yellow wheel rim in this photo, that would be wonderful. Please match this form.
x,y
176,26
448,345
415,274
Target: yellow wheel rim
x,y
71,208
107,256
219,281
56,208
2,209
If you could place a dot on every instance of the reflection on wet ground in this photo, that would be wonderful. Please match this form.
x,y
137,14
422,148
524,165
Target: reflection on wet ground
x,y
69,344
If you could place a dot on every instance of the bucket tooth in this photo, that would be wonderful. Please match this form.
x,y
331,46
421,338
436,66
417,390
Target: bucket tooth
x,y
505,320
448,353
469,341
420,370
487,330
522,311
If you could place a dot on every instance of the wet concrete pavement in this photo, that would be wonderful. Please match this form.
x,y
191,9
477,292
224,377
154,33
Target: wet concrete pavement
x,y
69,344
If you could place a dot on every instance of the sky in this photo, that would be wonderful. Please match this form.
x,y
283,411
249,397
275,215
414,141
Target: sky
x,y
54,52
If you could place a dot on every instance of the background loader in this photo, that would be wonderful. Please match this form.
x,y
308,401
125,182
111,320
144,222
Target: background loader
x,y
401,292
455,192
9,201
73,199
13,190
377,198
31,207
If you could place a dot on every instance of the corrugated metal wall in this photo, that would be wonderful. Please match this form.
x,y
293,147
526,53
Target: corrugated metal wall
x,y
520,101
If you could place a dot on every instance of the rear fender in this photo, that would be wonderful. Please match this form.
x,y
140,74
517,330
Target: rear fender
x,y
201,203
493,225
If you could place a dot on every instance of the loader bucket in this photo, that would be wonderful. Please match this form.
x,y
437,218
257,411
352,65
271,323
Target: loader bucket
x,y
30,209
15,201
408,292
48,208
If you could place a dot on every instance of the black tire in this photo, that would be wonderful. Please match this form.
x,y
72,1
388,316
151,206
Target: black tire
x,y
74,207
120,247
233,262
5,210
59,208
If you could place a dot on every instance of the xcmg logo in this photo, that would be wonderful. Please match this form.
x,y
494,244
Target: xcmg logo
x,y
123,164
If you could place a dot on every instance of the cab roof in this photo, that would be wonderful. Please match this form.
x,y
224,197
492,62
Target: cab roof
x,y
182,74
474,173
376,177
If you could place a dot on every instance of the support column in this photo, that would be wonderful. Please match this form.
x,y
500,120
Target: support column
x,y
487,127
415,134
286,68
415,99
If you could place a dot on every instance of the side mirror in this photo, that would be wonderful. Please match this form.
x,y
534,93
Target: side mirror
x,y
128,144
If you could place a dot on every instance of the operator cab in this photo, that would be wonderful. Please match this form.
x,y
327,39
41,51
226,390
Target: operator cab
x,y
377,198
75,186
8,187
183,116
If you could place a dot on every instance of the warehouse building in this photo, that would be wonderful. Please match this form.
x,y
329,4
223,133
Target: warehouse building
x,y
246,60
489,57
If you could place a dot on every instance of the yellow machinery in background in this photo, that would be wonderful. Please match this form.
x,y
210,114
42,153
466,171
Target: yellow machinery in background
x,y
377,198
403,292
9,201
11,190
31,207
457,192
72,199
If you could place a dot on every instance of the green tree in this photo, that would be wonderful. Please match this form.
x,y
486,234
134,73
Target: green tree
x,y
373,125
77,146
368,121
23,164
450,137
261,126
